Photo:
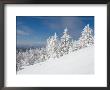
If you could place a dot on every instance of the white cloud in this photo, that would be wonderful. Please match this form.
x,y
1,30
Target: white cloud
x,y
20,32
29,43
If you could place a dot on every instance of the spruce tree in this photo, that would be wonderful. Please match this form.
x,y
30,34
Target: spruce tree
x,y
86,38
65,42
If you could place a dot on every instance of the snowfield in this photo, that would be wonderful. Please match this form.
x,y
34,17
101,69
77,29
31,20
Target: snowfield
x,y
78,62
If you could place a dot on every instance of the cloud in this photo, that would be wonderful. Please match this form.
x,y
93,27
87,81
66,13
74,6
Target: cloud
x,y
20,32
74,25
29,43
54,26
24,30
71,22
59,23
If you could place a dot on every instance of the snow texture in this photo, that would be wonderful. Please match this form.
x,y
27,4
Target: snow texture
x,y
77,62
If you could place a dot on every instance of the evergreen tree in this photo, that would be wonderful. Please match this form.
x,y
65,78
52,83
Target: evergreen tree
x,y
86,38
65,42
71,48
48,47
19,61
43,54
52,46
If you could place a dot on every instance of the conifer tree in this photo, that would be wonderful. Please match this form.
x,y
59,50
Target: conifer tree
x,y
65,42
86,38
52,46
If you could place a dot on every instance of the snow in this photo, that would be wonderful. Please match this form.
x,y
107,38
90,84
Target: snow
x,y
77,62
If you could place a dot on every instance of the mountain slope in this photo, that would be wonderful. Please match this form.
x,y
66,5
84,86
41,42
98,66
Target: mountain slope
x,y
78,62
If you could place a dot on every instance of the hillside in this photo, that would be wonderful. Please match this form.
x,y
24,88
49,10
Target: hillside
x,y
78,62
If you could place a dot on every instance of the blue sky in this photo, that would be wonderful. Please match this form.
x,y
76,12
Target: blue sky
x,y
34,30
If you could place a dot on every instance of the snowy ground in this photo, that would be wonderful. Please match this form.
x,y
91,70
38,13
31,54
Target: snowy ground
x,y
78,62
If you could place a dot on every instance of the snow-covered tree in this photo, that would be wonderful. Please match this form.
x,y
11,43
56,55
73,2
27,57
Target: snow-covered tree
x,y
19,61
71,48
26,57
65,42
31,57
52,46
76,45
86,38
43,54
48,47
36,55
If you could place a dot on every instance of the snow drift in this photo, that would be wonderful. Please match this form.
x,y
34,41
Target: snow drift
x,y
77,62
